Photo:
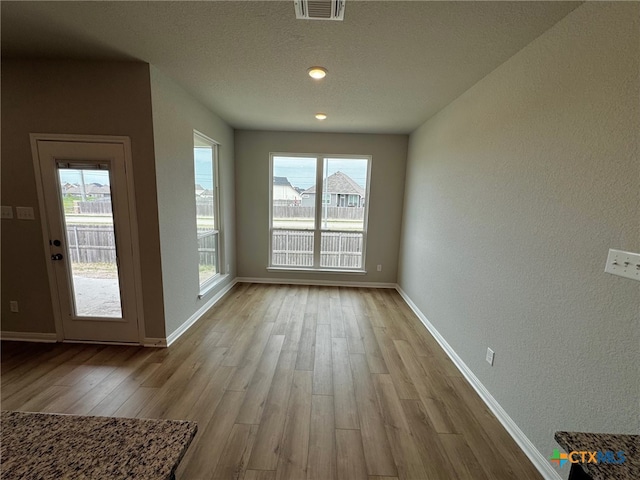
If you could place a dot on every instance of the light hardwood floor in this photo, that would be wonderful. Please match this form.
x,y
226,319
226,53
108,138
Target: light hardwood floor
x,y
286,382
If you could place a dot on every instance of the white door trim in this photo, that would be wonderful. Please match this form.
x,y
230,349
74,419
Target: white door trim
x,y
133,219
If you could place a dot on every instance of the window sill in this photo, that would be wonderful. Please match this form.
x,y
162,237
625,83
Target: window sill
x,y
210,285
316,270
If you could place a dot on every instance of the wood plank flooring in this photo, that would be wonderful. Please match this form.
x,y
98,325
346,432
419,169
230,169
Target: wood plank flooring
x,y
286,382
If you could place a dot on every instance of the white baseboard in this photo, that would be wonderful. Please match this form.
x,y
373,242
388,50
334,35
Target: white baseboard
x,y
29,337
195,317
529,449
154,342
320,283
98,342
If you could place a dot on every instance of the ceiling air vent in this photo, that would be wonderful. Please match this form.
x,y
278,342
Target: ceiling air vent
x,y
320,9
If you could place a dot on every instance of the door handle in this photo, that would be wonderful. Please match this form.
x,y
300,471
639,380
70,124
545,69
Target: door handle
x,y
57,256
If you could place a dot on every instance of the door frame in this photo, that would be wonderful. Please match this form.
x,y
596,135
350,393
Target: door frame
x,y
133,220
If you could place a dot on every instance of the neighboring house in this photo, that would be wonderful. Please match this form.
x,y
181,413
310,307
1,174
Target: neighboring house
x,y
92,190
284,193
199,190
66,186
341,191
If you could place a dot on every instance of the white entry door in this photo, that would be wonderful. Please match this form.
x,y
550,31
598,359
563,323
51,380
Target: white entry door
x,y
85,196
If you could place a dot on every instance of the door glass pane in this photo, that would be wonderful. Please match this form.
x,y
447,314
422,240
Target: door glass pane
x,y
90,245
293,211
344,183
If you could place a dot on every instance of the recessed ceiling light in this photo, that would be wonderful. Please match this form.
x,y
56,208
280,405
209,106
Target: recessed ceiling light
x,y
317,72
321,116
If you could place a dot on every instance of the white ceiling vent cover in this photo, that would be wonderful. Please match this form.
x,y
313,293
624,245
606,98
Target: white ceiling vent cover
x,y
319,9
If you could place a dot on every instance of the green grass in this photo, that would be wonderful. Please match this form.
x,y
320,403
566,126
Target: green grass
x,y
67,202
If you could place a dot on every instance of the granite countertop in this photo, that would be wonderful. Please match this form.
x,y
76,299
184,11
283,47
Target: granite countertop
x,y
629,444
50,446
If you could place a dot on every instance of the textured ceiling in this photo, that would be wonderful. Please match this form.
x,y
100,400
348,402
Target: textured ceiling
x,y
391,65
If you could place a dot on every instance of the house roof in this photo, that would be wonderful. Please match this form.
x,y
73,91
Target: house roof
x,y
284,181
340,183
89,189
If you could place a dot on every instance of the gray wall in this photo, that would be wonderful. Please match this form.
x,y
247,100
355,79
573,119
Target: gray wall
x,y
175,116
101,98
385,203
514,194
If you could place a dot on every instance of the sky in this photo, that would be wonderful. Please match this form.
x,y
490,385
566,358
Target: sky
x,y
90,176
301,172
204,175
202,171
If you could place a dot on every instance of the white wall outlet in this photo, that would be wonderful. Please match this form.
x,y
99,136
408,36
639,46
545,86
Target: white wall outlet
x,y
25,213
490,355
624,264
379,268
13,306
7,212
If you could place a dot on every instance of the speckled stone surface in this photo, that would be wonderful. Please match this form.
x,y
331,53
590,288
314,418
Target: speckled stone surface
x,y
629,444
48,446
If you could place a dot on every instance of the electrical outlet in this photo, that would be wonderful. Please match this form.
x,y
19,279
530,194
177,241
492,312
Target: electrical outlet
x,y
13,306
25,213
7,212
624,264
490,355
379,268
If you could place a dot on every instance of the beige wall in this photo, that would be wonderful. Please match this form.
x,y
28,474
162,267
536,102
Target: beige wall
x,y
102,98
385,203
514,194
175,116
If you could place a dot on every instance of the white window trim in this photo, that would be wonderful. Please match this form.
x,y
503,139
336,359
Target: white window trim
x,y
211,282
318,215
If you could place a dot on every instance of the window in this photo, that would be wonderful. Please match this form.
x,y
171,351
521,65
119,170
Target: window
x,y
205,153
326,230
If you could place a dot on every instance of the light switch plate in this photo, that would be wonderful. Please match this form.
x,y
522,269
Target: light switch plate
x,y
7,212
624,264
490,356
25,213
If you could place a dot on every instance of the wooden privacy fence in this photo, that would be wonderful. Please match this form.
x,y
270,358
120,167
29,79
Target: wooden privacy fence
x,y
91,243
337,249
96,244
208,248
93,208
340,249
204,208
337,213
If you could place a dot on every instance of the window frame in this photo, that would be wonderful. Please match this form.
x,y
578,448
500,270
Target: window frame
x,y
206,286
318,230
